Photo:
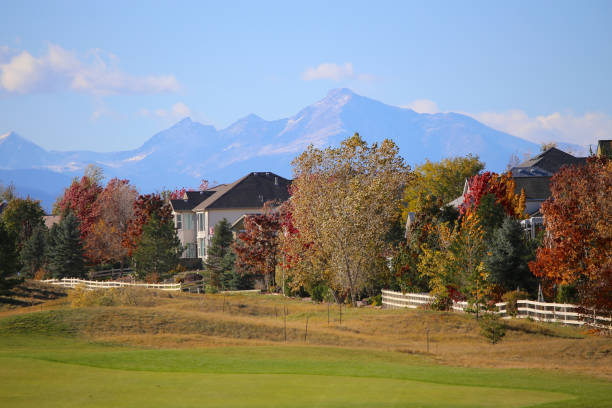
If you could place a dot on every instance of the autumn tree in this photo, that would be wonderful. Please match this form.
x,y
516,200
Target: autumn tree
x,y
81,199
159,248
7,192
345,200
578,242
502,187
257,247
144,207
21,217
441,181
116,209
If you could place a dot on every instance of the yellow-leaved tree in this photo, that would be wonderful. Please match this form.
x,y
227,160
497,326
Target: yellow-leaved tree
x,y
344,202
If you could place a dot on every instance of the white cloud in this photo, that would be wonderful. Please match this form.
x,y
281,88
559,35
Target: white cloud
x,y
333,72
559,127
177,111
423,106
60,69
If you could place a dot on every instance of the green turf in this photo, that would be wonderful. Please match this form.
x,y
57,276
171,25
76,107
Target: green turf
x,y
56,371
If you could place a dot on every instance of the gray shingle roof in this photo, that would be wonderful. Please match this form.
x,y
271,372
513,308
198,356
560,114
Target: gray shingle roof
x,y
193,199
551,160
251,191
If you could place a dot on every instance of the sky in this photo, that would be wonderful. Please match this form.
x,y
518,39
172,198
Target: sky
x,y
106,76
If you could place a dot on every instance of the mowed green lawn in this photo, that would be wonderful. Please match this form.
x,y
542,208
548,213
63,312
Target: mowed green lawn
x,y
39,371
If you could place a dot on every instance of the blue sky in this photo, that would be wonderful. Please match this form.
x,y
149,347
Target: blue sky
x,y
107,75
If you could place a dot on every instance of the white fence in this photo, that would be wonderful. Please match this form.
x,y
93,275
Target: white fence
x,y
74,282
541,311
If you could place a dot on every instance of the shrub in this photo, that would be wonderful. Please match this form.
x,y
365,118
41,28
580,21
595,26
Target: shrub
x,y
318,292
211,289
510,298
377,300
492,328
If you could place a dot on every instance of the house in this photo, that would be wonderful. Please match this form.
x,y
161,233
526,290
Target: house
x,y
533,177
197,213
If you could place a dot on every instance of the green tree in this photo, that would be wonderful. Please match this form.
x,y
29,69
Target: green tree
x,y
443,180
8,260
159,248
65,248
491,215
508,257
220,256
21,217
33,253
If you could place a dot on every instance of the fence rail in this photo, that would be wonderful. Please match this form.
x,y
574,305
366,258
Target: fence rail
x,y
89,284
541,311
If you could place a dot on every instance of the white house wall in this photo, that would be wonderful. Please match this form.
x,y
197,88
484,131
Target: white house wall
x,y
213,216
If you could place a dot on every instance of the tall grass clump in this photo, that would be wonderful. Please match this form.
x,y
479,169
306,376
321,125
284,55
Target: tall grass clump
x,y
126,296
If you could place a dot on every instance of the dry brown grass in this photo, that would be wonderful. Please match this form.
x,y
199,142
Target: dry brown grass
x,y
190,320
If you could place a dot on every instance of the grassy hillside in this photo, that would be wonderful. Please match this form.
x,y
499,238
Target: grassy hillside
x,y
163,350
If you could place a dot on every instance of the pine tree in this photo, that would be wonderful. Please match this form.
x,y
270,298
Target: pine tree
x,y
32,254
220,259
8,259
508,258
159,248
65,248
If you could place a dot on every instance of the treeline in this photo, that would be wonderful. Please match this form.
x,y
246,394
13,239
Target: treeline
x,y
99,226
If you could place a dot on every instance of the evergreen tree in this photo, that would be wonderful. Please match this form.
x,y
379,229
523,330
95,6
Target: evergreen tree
x,y
508,257
8,259
491,215
65,248
220,259
159,248
33,253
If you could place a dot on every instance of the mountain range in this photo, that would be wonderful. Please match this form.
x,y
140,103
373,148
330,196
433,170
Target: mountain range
x,y
187,152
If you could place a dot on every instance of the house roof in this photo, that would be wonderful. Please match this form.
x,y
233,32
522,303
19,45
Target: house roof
x,y
604,148
250,191
190,200
51,219
536,188
550,161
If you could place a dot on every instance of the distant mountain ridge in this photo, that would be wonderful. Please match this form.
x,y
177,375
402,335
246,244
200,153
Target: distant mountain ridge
x,y
188,151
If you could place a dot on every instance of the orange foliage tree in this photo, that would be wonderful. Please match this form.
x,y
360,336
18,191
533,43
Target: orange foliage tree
x,y
116,208
578,243
501,187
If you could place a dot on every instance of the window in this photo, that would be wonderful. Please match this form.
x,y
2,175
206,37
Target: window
x,y
191,251
188,221
201,248
179,221
200,221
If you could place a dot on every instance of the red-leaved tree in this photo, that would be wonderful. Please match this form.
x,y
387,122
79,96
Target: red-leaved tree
x,y
501,186
81,198
116,208
578,242
144,206
257,247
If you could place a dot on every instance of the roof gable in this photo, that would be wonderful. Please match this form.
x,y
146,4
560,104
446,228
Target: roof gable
x,y
551,160
251,191
190,200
